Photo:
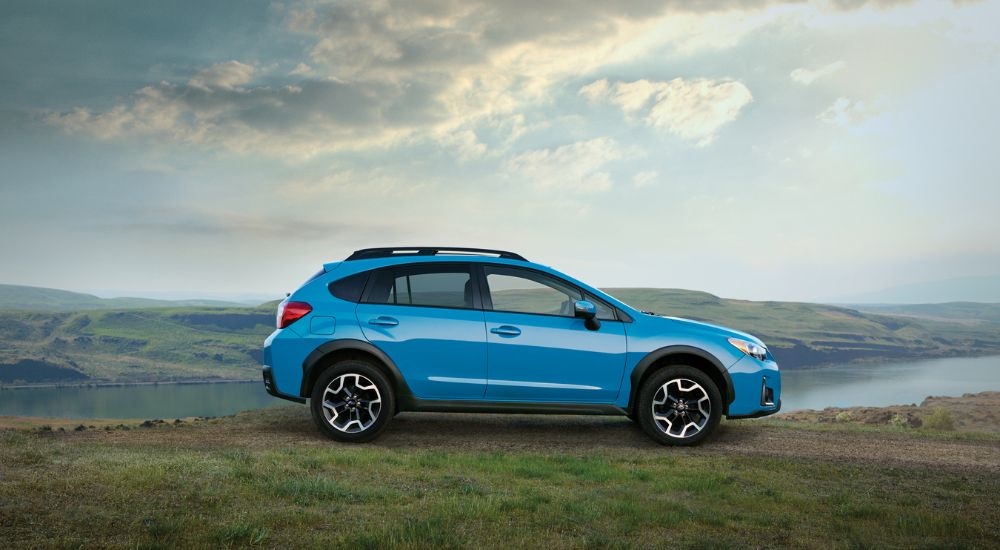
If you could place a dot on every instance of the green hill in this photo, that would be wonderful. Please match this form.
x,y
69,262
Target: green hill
x,y
30,298
133,345
804,334
186,343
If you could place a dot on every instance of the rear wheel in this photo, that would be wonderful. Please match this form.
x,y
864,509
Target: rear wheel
x,y
352,401
679,405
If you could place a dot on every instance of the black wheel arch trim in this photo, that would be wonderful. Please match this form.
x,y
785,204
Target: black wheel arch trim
x,y
349,344
728,393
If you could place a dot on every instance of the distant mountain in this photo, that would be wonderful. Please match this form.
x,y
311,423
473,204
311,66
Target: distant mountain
x,y
966,289
30,298
957,311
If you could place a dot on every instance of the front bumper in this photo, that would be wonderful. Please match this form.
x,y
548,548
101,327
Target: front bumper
x,y
758,414
758,388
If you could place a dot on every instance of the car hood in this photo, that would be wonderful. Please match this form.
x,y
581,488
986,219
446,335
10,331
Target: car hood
x,y
700,326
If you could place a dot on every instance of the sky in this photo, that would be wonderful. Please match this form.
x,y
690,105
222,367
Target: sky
x,y
766,150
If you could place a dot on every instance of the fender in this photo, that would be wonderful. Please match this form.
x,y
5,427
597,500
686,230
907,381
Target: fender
x,y
728,393
350,344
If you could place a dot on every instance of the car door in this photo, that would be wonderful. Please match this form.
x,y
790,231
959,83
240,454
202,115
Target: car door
x,y
538,351
428,319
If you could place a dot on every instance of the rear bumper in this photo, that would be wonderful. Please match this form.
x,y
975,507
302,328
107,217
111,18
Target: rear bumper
x,y
273,390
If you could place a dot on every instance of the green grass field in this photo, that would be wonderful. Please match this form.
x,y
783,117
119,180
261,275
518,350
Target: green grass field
x,y
266,479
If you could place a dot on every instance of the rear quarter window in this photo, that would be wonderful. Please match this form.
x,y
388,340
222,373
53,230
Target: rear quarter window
x,y
350,288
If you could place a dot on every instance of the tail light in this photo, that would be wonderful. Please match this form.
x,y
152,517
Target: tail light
x,y
289,312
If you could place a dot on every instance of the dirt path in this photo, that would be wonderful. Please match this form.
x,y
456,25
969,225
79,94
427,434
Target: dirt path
x,y
580,434
572,435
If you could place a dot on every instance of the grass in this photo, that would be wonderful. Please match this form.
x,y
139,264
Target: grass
x,y
217,484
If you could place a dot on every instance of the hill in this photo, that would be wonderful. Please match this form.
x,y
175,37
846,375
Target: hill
x,y
804,334
188,343
952,311
30,298
133,345
963,289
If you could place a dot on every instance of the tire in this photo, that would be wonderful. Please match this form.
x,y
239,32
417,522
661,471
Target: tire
x,y
352,401
679,405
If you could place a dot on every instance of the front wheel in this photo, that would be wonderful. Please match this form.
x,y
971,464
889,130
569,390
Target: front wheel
x,y
352,401
679,405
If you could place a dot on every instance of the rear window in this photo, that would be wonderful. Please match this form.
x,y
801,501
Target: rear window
x,y
350,288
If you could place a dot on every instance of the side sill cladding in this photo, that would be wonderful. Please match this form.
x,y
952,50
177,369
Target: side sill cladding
x,y
728,393
318,355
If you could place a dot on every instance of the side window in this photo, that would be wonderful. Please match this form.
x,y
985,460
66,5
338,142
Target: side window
x,y
351,287
604,311
435,286
524,291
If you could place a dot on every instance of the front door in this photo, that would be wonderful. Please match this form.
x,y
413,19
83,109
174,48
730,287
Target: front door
x,y
538,351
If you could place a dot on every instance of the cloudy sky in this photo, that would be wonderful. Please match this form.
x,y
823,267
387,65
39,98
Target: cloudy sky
x,y
764,150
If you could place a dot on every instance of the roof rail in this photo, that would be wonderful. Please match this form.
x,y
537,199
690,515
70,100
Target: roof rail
x,y
367,253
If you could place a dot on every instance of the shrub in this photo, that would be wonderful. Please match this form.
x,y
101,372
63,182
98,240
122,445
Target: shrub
x,y
844,416
939,419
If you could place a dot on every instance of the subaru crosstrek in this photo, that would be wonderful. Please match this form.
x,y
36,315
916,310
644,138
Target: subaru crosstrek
x,y
464,329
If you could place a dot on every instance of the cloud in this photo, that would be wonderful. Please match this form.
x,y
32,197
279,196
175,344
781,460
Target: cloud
x,y
807,77
847,112
577,166
381,73
296,121
301,70
645,178
228,75
243,227
694,109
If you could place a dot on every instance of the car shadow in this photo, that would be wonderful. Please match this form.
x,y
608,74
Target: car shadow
x,y
508,432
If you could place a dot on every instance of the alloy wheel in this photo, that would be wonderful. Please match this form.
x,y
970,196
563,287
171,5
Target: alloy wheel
x,y
351,403
681,408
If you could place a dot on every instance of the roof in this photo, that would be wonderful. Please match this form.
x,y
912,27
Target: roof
x,y
390,252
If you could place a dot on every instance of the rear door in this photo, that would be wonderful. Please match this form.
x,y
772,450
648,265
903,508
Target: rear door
x,y
427,319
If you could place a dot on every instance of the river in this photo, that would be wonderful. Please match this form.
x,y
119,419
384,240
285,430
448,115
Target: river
x,y
881,384
137,402
874,385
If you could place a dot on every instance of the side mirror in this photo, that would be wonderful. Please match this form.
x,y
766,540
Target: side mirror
x,y
586,310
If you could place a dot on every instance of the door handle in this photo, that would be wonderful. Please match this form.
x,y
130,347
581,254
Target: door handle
x,y
383,321
506,330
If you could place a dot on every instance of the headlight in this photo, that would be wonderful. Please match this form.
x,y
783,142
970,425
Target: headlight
x,y
756,351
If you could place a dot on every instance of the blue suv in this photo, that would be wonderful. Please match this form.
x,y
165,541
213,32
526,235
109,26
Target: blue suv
x,y
466,329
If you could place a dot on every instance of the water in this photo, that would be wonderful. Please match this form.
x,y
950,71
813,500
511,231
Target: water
x,y
139,402
878,385
872,385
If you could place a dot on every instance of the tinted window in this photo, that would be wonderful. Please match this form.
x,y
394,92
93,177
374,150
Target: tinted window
x,y
438,286
350,288
524,291
604,311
